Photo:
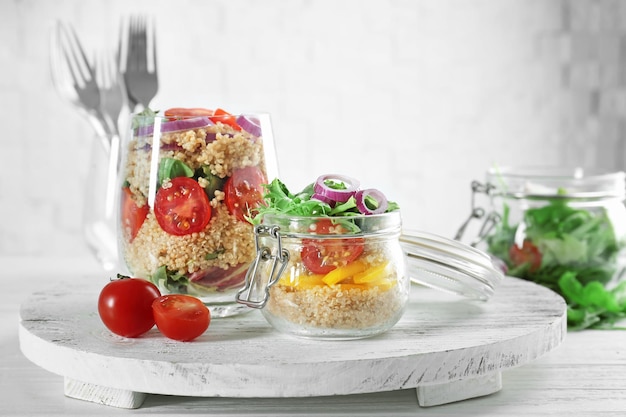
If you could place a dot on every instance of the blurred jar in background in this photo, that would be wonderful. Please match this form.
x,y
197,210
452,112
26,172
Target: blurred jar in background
x,y
562,228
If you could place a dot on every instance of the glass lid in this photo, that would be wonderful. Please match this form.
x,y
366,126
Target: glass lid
x,y
450,265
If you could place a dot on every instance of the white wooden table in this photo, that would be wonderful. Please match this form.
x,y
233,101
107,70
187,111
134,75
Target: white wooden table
x,y
585,375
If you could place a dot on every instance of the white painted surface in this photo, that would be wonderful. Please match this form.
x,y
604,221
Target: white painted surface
x,y
585,375
459,390
95,393
440,339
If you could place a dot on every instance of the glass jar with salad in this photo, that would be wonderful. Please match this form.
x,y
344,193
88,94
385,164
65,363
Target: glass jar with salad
x,y
338,270
332,261
191,181
564,229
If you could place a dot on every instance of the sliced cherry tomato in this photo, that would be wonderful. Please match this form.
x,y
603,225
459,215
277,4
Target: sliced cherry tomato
x,y
180,316
133,216
177,113
183,207
244,192
220,115
321,256
125,306
527,254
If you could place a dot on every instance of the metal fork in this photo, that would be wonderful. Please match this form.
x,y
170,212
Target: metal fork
x,y
75,78
112,93
140,66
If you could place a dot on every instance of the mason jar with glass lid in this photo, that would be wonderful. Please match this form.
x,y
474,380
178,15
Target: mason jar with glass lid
x,y
332,261
302,294
367,293
560,227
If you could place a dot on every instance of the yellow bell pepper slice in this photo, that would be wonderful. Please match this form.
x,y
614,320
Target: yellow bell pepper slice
x,y
309,281
372,274
384,284
339,274
301,281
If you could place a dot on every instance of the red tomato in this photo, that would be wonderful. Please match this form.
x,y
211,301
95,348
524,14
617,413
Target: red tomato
x,y
322,256
177,113
133,216
180,316
125,306
244,192
220,115
527,254
183,207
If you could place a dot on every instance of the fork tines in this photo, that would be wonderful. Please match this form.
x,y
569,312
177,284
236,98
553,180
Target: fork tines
x,y
138,60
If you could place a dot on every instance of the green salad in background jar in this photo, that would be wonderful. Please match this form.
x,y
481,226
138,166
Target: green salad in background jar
x,y
564,229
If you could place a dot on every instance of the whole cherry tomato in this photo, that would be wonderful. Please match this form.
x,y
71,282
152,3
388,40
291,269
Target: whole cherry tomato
x,y
180,316
125,306
528,254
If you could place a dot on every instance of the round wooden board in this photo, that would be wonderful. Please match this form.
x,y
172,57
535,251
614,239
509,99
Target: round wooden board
x,y
440,339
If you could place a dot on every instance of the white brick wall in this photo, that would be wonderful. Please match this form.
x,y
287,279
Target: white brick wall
x,y
416,98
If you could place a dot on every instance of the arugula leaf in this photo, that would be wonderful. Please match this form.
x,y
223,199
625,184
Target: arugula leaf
x,y
214,255
279,200
592,305
172,168
144,118
212,182
173,281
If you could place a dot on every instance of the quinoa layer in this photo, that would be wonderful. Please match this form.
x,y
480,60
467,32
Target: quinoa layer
x,y
333,308
337,306
226,241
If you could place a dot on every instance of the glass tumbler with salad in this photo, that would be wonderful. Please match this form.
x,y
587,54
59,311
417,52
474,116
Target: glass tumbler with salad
x,y
191,180
564,229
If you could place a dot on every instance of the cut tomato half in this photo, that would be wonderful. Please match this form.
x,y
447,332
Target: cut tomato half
x,y
182,207
220,115
133,215
322,256
180,316
244,192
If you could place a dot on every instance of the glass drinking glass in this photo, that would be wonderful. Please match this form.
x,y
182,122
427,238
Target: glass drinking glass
x,y
99,208
188,187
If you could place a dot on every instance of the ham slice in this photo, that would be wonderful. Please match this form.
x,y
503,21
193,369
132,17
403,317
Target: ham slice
x,y
221,279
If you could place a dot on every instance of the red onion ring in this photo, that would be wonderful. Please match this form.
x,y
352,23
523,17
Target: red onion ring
x,y
376,195
249,124
176,125
340,196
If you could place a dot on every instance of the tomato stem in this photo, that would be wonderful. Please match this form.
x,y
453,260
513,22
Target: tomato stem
x,y
120,276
